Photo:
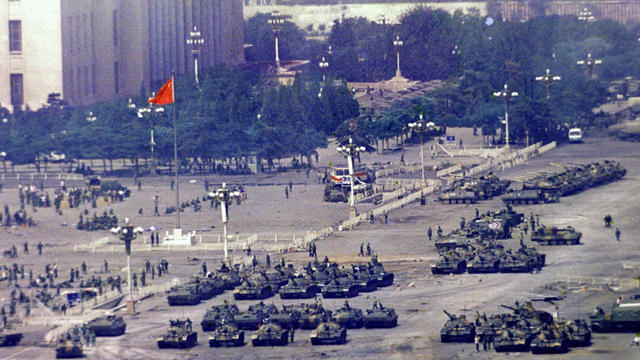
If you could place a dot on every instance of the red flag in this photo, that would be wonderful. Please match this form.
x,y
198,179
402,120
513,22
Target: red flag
x,y
165,94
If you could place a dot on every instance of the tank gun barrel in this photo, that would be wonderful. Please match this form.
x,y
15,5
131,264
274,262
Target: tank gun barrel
x,y
452,317
508,307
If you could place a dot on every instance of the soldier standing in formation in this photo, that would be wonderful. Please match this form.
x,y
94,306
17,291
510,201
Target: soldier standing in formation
x,y
429,233
532,220
39,248
26,247
462,222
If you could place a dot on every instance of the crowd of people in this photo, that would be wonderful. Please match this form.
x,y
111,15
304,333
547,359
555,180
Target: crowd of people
x,y
105,222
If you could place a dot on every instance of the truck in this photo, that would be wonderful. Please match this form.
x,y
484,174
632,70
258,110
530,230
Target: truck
x,y
575,135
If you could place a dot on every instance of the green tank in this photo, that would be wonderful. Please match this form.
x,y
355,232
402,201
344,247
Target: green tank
x,y
270,334
624,317
458,196
349,317
385,278
363,280
512,339
216,314
110,325
340,288
457,329
380,317
299,288
329,333
10,338
226,335
546,235
578,331
483,263
309,315
452,241
529,196
254,316
187,294
253,290
450,263
551,340
179,335
68,347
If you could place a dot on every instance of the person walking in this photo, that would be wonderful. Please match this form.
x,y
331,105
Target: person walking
x,y
361,250
204,268
40,248
476,340
286,192
84,268
268,260
429,233
439,231
368,249
156,200
617,234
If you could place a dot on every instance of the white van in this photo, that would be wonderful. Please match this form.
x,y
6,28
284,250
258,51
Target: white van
x,y
575,135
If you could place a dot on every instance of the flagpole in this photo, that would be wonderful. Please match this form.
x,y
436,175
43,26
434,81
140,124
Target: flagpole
x,y
175,151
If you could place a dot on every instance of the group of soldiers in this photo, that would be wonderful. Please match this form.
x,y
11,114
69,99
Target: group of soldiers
x,y
104,222
19,218
369,251
313,250
80,334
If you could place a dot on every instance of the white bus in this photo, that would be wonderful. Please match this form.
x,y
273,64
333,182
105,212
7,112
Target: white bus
x,y
575,135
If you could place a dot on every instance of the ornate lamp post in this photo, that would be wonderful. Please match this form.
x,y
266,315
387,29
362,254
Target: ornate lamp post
x,y
506,95
3,155
195,40
127,233
397,43
548,79
152,111
349,151
586,16
589,63
225,197
421,128
276,21
324,65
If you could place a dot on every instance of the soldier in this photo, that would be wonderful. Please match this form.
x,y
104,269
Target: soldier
x,y
617,234
84,268
268,260
607,220
292,333
429,233
153,273
204,268
462,222
476,340
439,231
39,248
147,265
386,217
143,278
71,275
477,213
361,249
156,200
26,247
77,274
173,184
27,310
134,279
290,185
286,192
106,266
532,220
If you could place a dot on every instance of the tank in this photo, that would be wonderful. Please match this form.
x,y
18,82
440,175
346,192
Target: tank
x,y
335,194
622,318
270,334
363,280
284,318
253,290
329,333
550,340
449,264
457,329
531,196
299,288
254,316
340,288
211,286
380,317
578,332
385,278
68,348
452,241
10,338
458,197
538,260
216,314
516,263
179,335
226,335
512,340
309,316
184,295
483,263
349,317
110,325
546,235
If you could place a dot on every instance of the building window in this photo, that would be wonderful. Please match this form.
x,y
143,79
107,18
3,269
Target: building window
x,y
15,35
114,16
116,76
17,89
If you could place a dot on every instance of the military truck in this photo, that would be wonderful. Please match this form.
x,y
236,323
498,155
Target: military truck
x,y
531,196
110,325
329,333
457,329
179,335
624,317
551,235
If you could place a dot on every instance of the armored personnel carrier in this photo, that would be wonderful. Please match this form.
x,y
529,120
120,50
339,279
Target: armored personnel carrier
x,y
109,325
578,331
459,196
340,288
550,341
184,295
270,334
457,329
254,316
385,278
380,317
68,347
299,288
328,333
512,339
624,317
226,335
348,317
531,196
450,263
253,290
179,335
216,314
8,338
546,235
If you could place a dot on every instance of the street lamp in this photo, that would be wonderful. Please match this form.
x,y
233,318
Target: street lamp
x,y
324,65
506,96
128,233
589,63
586,16
350,150
276,21
3,155
225,197
548,79
397,43
91,118
421,127
195,40
153,111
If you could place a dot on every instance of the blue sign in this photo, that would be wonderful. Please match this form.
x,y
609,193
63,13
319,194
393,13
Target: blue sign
x,y
451,138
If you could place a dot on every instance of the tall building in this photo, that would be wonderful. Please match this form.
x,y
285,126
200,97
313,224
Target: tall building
x,y
96,50
624,11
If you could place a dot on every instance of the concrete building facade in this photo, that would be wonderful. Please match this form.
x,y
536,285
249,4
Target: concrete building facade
x,y
96,50
624,11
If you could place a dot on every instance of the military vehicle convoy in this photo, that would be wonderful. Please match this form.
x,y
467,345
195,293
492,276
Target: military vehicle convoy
x,y
68,347
226,335
270,334
547,235
329,333
9,338
110,325
179,335
457,329
469,191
